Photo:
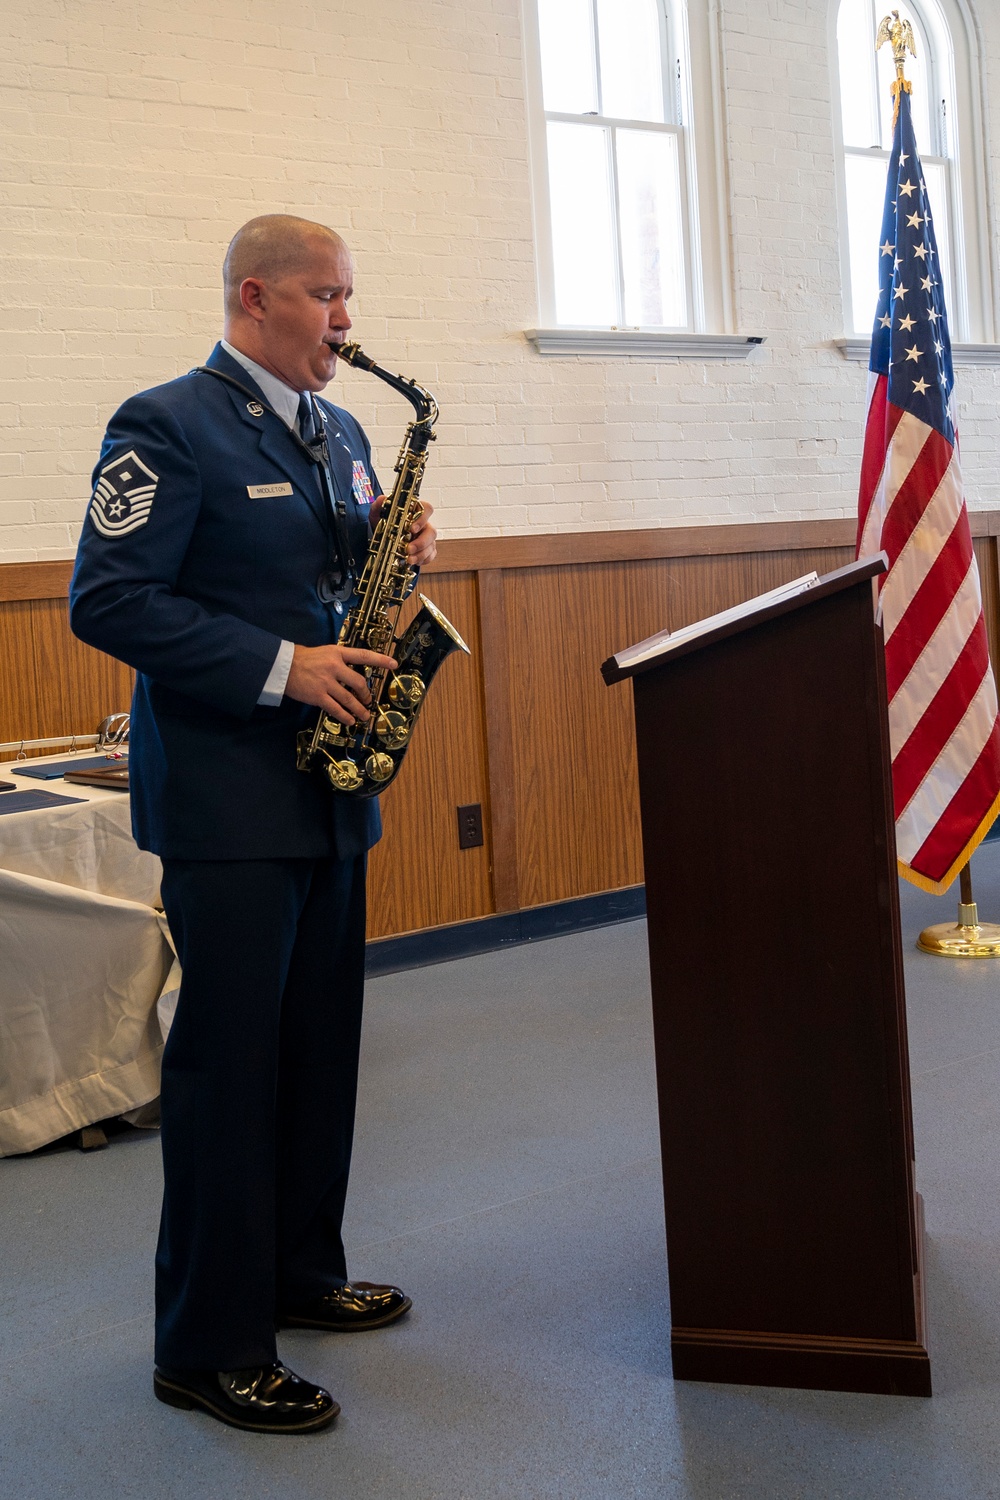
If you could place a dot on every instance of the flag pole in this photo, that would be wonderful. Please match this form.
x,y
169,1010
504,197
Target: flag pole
x,y
918,398
969,938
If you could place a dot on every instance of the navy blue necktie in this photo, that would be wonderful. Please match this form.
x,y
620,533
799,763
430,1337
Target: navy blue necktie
x,y
308,425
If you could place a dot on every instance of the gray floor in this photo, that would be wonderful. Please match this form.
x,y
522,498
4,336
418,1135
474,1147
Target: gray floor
x,y
507,1176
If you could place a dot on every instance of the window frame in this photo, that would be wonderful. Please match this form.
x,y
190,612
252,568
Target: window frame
x,y
957,80
695,95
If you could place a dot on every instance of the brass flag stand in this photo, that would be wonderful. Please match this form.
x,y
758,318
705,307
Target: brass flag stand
x,y
969,938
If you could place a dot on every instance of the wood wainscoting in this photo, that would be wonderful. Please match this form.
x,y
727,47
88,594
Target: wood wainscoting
x,y
525,727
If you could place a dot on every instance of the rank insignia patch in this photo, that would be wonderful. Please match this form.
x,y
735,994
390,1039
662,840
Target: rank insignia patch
x,y
361,484
123,495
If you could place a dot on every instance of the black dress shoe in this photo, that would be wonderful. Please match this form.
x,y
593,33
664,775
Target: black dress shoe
x,y
267,1399
353,1307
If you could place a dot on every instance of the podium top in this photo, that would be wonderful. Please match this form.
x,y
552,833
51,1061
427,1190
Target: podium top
x,y
657,649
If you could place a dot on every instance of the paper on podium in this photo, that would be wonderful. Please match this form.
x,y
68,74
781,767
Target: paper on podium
x,y
666,641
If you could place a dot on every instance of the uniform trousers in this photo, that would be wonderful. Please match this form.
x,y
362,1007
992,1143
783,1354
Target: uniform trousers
x,y
258,1097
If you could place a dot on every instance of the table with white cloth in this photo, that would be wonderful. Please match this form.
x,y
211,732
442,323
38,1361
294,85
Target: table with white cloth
x,y
88,977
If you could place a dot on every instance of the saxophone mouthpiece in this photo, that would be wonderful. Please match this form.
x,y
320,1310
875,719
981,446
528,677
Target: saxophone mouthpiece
x,y
354,355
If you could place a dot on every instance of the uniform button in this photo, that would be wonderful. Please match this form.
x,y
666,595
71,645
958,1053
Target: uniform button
x,y
339,607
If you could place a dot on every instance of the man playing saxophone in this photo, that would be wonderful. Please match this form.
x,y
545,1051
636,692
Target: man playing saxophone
x,y
229,522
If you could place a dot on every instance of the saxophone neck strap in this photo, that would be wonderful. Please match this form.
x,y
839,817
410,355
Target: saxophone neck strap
x,y
315,451
337,582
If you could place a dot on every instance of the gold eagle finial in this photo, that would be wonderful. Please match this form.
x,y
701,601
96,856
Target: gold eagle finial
x,y
899,35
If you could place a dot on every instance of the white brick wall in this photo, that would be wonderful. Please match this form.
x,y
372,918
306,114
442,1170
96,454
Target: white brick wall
x,y
138,136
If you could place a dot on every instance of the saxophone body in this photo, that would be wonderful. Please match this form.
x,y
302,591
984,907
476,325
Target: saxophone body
x,y
361,760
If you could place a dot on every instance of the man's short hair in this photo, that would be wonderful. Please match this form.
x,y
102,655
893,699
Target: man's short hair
x,y
269,247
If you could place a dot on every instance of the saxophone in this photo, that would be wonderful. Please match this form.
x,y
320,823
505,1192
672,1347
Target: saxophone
x,y
362,759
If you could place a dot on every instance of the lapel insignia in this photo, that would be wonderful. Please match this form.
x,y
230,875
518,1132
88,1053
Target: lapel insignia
x,y
123,495
361,483
255,409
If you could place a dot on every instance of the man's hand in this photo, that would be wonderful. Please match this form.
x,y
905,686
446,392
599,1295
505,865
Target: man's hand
x,y
325,677
423,537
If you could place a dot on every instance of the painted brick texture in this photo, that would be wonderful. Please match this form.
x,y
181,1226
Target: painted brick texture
x,y
138,137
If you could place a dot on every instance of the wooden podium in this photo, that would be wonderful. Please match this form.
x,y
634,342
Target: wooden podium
x,y
794,1235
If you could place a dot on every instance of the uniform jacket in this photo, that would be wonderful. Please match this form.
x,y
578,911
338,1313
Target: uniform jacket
x,y
193,566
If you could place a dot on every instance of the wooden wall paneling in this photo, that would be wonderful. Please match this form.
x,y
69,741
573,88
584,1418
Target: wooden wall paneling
x,y
497,643
671,592
700,586
77,686
574,772
418,875
35,580
20,708
527,727
456,554
46,580
649,599
985,549
767,570
650,607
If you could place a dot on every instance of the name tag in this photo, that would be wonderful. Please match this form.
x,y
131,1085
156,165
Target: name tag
x,y
265,491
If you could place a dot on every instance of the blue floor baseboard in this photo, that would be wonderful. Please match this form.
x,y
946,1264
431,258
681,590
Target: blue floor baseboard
x,y
435,945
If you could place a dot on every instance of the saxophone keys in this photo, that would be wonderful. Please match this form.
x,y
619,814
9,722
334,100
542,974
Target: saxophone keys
x,y
380,766
406,687
344,775
392,729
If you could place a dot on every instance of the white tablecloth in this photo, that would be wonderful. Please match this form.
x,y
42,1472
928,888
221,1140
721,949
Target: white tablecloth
x,y
85,962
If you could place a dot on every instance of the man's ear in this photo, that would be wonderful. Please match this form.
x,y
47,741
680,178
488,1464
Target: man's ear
x,y
253,298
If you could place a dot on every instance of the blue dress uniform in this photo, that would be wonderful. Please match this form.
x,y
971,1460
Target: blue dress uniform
x,y
202,550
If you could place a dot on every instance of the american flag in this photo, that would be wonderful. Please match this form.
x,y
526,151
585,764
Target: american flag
x,y
943,724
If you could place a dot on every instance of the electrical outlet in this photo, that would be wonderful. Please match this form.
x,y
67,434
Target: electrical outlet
x,y
470,826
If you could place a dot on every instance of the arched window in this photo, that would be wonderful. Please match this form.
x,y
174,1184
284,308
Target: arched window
x,y
944,119
614,168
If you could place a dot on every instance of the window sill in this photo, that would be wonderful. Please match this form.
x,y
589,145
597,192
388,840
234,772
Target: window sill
x,y
961,354
635,343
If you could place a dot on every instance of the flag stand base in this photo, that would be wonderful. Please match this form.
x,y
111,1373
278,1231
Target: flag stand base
x,y
969,938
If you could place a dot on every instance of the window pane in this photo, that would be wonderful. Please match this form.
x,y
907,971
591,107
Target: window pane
x,y
631,52
582,240
649,193
855,50
918,74
865,199
566,34
936,180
